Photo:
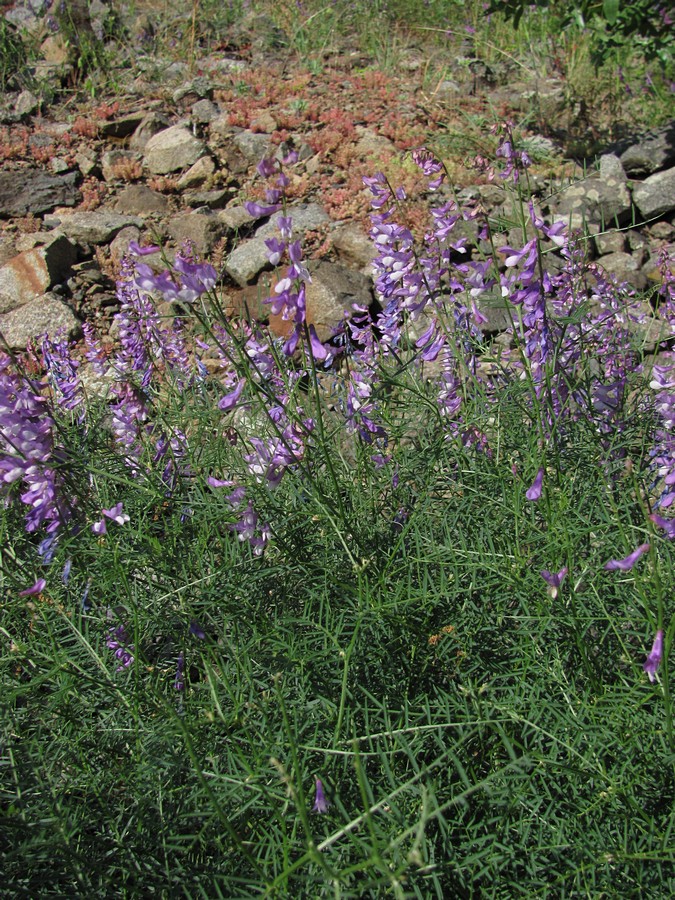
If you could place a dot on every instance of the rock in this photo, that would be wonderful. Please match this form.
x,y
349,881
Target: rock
x,y
35,192
152,124
140,200
8,248
202,229
204,111
654,150
48,314
537,146
172,150
264,123
33,272
215,199
370,143
87,162
610,242
625,269
198,88
305,217
198,174
26,104
354,247
236,218
115,163
655,196
123,126
332,292
54,50
253,147
119,246
247,260
98,227
447,90
602,200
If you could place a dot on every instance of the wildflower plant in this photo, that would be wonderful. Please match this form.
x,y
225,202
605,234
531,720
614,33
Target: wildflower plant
x,y
391,557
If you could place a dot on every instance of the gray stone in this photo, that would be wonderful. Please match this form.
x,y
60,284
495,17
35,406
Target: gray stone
x,y
204,111
215,199
610,242
172,150
98,227
625,269
140,200
26,104
35,192
123,126
447,89
500,314
119,246
202,229
305,217
654,151
253,147
332,292
236,217
264,123
247,261
87,162
113,163
198,88
33,272
600,201
354,247
370,143
198,174
655,196
152,124
48,314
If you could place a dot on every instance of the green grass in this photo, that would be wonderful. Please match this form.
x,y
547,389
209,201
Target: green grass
x,y
475,736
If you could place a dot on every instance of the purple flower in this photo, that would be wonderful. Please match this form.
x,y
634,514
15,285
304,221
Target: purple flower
x,y
668,525
653,661
115,513
36,588
257,211
554,580
534,491
119,643
136,250
627,563
321,804
229,401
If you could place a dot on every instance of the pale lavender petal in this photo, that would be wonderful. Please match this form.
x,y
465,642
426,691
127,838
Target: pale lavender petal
x,y
627,563
534,491
653,661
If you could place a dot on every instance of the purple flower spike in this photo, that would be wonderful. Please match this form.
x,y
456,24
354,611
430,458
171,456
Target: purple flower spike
x,y
36,588
534,491
627,563
653,661
321,804
554,580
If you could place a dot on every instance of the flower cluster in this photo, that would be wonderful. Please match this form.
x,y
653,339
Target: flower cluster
x,y
28,456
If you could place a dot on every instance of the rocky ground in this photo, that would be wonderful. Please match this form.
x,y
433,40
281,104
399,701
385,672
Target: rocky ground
x,y
167,153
